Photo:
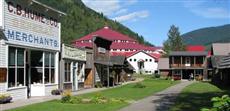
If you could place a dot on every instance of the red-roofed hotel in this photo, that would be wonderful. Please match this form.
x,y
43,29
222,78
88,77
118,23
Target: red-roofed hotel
x,y
124,45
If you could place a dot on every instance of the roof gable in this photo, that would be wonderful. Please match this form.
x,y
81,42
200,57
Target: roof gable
x,y
108,34
220,48
137,52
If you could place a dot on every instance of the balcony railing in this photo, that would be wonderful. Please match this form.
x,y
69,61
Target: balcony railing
x,y
186,65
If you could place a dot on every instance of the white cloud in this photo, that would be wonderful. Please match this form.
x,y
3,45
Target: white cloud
x,y
105,6
216,12
201,8
134,16
121,11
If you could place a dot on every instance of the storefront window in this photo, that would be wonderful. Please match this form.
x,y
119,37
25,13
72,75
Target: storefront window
x,y
16,72
36,66
67,72
49,68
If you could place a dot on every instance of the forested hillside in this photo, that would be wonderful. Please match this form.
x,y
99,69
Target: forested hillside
x,y
81,21
207,36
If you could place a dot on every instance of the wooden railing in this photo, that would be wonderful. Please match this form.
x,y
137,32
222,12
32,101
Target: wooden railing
x,y
184,65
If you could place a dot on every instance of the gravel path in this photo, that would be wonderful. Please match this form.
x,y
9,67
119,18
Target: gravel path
x,y
160,101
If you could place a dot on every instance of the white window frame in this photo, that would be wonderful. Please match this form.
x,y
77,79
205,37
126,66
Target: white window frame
x,y
16,67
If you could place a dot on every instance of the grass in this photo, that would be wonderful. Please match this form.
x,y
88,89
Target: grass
x,y
197,96
126,91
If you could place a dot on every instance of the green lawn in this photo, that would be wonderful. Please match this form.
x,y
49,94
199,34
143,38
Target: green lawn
x,y
126,91
197,96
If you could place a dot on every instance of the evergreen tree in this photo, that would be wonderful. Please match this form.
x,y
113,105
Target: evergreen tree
x,y
174,41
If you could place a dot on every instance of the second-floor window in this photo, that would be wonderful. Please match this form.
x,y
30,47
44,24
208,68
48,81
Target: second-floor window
x,y
187,60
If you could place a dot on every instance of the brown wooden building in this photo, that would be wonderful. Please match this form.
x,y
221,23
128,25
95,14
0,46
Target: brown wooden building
x,y
220,63
186,64
98,63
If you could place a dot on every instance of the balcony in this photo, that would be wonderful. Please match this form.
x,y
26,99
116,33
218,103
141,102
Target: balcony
x,y
187,65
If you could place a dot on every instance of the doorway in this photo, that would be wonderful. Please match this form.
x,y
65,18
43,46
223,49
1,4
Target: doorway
x,y
186,74
141,66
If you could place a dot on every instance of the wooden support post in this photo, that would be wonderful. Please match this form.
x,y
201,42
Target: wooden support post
x,y
181,74
194,60
194,73
181,61
108,76
172,60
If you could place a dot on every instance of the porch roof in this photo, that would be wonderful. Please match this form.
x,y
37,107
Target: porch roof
x,y
117,60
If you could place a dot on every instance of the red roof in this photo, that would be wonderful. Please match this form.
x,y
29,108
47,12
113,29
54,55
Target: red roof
x,y
79,44
126,54
121,45
108,34
156,56
195,48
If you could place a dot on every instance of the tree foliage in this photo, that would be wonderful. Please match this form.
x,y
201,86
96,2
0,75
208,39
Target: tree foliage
x,y
81,20
174,41
219,104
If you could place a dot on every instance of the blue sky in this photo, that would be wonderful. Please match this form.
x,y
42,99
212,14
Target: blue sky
x,y
153,18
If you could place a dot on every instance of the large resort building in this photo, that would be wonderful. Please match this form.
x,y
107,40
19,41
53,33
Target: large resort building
x,y
142,58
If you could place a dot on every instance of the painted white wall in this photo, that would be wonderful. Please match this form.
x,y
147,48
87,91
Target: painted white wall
x,y
148,66
3,56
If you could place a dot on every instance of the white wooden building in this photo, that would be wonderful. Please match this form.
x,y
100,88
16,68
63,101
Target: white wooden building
x,y
143,62
29,48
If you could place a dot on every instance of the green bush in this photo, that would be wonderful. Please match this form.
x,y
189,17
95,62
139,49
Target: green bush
x,y
67,97
219,104
139,85
98,85
157,75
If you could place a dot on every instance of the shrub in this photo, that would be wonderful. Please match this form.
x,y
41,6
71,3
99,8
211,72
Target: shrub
x,y
67,97
5,98
77,100
98,99
98,85
219,104
157,75
56,92
139,85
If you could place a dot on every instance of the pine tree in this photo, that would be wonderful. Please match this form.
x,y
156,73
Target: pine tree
x,y
174,41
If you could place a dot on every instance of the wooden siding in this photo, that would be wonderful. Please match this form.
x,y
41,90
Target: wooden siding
x,y
3,55
49,88
18,93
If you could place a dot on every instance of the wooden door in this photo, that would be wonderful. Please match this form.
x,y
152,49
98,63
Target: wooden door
x,y
88,78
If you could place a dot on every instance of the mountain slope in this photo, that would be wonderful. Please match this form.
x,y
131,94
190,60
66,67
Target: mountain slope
x,y
81,20
207,36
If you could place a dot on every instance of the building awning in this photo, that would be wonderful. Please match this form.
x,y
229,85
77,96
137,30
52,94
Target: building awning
x,y
103,63
117,60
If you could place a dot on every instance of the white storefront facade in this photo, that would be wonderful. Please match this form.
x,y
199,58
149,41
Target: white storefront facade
x,y
143,63
29,48
72,68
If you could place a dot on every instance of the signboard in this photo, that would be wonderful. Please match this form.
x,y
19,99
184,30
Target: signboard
x,y
1,14
73,53
29,24
101,50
